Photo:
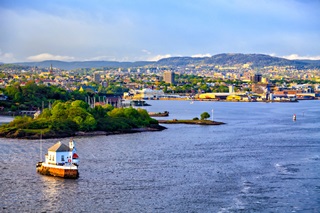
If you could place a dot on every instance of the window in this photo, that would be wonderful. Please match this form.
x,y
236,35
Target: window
x,y
62,158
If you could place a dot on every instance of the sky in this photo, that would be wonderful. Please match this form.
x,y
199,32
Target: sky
x,y
148,30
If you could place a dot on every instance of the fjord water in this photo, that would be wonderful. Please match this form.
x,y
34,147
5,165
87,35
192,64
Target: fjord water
x,y
259,161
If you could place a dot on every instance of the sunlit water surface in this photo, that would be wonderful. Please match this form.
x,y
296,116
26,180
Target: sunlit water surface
x,y
260,161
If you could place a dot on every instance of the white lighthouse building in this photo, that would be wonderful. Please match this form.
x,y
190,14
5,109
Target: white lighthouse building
x,y
61,154
61,161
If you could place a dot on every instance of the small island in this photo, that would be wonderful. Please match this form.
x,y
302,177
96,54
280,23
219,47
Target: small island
x,y
203,120
197,122
77,118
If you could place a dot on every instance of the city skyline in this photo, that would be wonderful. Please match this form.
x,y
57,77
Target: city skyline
x,y
147,31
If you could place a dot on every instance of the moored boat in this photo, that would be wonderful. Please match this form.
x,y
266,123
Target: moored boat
x,y
134,103
60,161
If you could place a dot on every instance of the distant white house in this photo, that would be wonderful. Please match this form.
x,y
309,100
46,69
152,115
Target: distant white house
x,y
145,94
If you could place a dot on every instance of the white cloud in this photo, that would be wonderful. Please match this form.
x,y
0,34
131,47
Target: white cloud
x,y
101,58
146,51
158,57
6,57
48,56
296,56
201,55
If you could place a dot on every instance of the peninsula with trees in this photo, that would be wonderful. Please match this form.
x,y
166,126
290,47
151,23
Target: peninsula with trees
x,y
72,118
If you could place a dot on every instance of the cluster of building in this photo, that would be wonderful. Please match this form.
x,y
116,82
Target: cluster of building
x,y
147,82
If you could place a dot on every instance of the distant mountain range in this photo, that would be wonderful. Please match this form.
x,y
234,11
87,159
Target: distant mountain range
x,y
255,60
226,59
83,64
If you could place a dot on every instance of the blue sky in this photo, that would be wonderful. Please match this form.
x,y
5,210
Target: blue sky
x,y
134,30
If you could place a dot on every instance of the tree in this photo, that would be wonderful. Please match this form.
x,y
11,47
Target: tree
x,y
89,123
205,116
11,91
116,112
59,111
46,113
80,103
131,113
76,111
98,112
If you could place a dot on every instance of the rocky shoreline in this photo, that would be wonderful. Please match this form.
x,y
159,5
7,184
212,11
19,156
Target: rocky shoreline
x,y
193,122
128,131
51,135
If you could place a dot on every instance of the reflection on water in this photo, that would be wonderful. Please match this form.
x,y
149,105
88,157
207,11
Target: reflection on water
x,y
53,190
259,161
5,119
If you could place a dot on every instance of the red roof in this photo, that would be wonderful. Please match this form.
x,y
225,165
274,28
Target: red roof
x,y
75,156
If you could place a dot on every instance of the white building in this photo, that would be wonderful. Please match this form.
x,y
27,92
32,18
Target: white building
x,y
145,94
151,94
61,154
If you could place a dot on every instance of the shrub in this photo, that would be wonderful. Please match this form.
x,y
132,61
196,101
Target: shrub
x,y
38,124
62,125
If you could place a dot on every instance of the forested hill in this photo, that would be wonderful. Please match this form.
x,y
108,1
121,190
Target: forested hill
x,y
226,59
255,60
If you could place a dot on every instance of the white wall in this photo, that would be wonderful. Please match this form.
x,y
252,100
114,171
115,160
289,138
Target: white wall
x,y
57,157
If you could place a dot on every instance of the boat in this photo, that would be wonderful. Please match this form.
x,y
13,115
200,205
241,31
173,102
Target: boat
x,y
60,161
159,114
294,117
135,103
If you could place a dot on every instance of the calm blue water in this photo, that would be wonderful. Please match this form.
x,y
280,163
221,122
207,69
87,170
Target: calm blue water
x,y
260,161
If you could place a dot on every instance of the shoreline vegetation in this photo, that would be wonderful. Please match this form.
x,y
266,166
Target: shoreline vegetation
x,y
193,122
77,118
127,131
51,135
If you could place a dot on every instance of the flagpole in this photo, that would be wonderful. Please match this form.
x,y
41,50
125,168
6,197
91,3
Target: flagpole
x,y
212,114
